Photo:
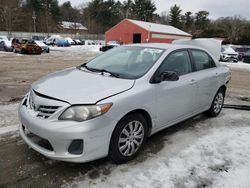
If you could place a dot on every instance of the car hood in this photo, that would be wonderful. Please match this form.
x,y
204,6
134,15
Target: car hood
x,y
80,87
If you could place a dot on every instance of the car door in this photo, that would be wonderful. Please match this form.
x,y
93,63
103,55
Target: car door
x,y
206,77
174,99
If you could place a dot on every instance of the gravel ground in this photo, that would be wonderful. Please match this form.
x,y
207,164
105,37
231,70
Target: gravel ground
x,y
18,72
200,152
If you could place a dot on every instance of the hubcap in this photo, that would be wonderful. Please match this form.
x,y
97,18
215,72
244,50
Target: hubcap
x,y
131,138
218,102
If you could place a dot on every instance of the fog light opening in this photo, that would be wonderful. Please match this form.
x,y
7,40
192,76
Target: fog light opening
x,y
76,147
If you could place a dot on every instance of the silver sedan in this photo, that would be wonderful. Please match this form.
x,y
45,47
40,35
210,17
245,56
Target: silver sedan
x,y
112,104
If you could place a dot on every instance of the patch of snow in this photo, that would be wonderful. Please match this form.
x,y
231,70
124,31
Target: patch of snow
x,y
239,65
82,48
8,129
214,153
8,119
8,115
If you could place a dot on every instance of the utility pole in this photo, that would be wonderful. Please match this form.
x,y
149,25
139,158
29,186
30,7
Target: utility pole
x,y
34,20
148,39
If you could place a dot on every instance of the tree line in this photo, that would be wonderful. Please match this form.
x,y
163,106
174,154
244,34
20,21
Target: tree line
x,y
100,15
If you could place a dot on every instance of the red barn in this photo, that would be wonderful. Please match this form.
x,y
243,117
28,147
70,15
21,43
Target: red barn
x,y
132,31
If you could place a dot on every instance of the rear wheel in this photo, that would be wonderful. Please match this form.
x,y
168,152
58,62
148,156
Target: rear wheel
x,y
217,104
128,138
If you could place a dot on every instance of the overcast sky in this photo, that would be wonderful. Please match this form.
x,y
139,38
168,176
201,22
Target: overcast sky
x,y
216,8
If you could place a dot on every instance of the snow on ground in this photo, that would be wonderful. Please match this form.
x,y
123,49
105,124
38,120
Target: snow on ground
x,y
71,51
213,153
94,48
8,119
239,65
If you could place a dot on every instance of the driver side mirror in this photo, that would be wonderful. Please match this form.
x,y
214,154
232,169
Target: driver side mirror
x,y
169,76
165,76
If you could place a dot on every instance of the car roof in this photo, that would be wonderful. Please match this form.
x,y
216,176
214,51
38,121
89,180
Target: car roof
x,y
165,46
173,47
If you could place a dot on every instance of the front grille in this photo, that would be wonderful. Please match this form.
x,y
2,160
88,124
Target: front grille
x,y
42,110
46,111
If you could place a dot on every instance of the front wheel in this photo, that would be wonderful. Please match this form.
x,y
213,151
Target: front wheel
x,y
128,138
217,104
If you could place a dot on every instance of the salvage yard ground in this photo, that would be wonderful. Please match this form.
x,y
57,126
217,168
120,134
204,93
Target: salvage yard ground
x,y
200,152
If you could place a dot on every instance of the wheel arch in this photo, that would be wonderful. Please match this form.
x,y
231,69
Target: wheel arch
x,y
144,113
223,88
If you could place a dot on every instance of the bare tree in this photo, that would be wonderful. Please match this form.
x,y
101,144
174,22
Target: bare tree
x,y
10,11
232,26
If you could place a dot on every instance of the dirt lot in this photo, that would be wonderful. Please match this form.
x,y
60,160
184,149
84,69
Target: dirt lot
x,y
17,72
194,153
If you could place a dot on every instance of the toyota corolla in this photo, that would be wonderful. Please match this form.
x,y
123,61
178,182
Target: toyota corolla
x,y
112,104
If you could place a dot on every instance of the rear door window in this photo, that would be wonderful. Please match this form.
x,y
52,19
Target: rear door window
x,y
202,60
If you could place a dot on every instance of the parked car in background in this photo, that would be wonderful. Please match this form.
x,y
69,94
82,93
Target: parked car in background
x,y
229,55
44,47
38,38
77,42
16,44
242,52
3,38
5,45
110,45
112,104
51,40
83,42
70,40
113,43
61,42
26,46
246,57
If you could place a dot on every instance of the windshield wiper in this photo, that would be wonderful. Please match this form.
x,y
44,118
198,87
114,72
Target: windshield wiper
x,y
111,73
100,70
88,68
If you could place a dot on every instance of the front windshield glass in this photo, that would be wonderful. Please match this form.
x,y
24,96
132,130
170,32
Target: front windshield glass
x,y
127,61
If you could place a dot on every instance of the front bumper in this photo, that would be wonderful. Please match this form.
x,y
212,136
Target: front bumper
x,y
95,133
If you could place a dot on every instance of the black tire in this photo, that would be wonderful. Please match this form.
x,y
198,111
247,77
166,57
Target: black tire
x,y
47,50
115,152
216,109
23,51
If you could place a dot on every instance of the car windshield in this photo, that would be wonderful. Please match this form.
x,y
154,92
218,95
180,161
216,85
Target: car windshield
x,y
129,62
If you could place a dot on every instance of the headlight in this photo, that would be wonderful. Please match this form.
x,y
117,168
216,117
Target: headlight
x,y
84,112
